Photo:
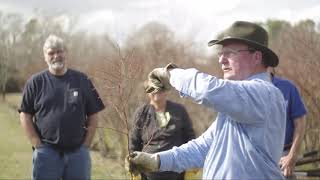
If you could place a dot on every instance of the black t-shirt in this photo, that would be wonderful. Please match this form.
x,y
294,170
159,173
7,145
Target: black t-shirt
x,y
61,105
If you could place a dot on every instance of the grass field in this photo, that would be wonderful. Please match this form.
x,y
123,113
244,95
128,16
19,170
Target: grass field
x,y
15,151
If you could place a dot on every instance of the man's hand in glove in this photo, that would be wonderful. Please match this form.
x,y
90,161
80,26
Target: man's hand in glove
x,y
142,162
160,77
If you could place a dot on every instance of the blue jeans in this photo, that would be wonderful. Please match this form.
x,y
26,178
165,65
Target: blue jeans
x,y
48,163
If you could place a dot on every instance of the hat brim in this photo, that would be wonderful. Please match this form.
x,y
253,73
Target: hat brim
x,y
271,57
152,90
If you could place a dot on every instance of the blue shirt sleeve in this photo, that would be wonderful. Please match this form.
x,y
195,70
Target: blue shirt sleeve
x,y
296,106
189,155
224,96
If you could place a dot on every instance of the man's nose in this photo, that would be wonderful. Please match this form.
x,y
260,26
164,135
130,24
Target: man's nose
x,y
57,54
223,60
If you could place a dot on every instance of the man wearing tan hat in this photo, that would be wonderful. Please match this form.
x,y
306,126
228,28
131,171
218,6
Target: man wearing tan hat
x,y
246,139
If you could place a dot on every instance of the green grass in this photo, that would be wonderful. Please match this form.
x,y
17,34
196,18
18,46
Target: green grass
x,y
16,153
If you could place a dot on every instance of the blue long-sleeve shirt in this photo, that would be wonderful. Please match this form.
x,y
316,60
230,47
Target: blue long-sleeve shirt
x,y
246,139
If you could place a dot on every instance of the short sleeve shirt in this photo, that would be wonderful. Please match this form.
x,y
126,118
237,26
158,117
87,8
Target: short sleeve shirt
x,y
60,106
294,105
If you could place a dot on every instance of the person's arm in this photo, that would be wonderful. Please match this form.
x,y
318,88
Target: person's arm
x,y
91,129
297,115
299,129
245,101
288,162
93,106
27,125
189,155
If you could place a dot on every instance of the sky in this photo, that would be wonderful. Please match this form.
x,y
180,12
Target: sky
x,y
199,19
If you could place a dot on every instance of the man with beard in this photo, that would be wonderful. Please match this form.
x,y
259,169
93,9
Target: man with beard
x,y
59,115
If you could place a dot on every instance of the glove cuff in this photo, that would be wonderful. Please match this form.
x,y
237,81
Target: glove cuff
x,y
156,159
159,162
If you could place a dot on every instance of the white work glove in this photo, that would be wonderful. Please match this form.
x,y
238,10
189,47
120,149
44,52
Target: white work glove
x,y
159,78
137,162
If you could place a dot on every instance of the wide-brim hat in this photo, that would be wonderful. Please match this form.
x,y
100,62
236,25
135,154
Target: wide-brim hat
x,y
251,34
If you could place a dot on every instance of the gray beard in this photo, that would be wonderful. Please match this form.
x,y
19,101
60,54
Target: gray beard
x,y
57,66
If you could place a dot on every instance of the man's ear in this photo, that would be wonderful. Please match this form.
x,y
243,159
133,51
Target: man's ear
x,y
258,57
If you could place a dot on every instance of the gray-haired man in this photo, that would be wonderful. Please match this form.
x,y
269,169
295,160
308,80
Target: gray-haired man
x,y
59,115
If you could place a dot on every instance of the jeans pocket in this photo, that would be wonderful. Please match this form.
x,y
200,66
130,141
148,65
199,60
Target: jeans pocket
x,y
40,146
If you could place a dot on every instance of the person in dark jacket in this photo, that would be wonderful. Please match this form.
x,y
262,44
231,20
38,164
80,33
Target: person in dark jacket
x,y
158,126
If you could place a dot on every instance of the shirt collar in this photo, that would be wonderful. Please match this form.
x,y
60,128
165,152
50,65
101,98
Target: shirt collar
x,y
263,76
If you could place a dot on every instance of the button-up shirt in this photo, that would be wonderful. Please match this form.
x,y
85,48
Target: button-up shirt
x,y
246,139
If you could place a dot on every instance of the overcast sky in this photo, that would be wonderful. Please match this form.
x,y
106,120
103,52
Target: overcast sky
x,y
201,19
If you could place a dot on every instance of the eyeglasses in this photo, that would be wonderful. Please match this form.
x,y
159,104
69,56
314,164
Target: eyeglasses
x,y
233,52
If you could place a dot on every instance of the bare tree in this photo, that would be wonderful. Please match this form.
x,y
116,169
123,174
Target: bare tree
x,y
117,78
9,32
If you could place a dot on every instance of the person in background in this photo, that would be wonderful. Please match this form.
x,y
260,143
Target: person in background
x,y
295,124
157,126
59,113
246,139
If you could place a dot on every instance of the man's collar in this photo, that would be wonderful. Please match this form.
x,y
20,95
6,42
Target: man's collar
x,y
264,76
